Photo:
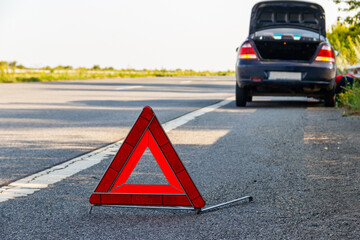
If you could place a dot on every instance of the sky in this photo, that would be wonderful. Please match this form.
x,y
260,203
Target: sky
x,y
156,34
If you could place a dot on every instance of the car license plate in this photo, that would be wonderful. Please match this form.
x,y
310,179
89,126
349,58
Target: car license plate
x,y
292,76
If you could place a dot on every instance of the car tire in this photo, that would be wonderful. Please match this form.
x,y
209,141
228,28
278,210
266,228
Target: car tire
x,y
329,98
249,98
241,96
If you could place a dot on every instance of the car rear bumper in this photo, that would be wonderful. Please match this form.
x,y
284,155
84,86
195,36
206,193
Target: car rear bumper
x,y
316,77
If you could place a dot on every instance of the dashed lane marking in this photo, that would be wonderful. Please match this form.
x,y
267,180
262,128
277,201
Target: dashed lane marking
x,y
35,182
185,82
127,88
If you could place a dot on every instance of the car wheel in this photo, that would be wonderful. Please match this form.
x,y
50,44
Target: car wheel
x,y
329,98
241,96
249,98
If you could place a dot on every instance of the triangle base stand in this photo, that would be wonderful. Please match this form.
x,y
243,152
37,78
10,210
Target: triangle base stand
x,y
197,210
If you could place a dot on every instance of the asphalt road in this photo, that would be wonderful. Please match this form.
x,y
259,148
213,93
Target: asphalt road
x,y
298,159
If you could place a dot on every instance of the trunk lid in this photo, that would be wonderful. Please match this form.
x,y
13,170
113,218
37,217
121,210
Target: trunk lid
x,y
291,14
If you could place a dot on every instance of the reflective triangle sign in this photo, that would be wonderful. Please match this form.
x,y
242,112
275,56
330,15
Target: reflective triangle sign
x,y
147,133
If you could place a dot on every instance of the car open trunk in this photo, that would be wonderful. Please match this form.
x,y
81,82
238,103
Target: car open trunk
x,y
287,44
287,30
297,51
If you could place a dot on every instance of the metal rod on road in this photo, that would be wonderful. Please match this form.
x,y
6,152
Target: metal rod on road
x,y
227,203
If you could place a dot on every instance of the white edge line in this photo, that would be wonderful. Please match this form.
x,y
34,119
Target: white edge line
x,y
30,184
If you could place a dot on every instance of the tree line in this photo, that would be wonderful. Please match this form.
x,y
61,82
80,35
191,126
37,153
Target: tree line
x,y
4,65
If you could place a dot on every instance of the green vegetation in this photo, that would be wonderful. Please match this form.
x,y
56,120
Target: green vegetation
x,y
345,38
350,98
11,72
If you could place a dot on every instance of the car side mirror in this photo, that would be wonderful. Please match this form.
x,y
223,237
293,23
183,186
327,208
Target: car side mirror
x,y
237,49
336,52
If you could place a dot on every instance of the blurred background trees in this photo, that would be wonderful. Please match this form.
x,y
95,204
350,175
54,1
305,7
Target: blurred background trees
x,y
345,35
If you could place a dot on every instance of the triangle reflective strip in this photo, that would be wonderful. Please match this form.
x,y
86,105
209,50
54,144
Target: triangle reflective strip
x,y
120,185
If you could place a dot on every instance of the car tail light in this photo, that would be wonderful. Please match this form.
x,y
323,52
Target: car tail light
x,y
325,54
247,52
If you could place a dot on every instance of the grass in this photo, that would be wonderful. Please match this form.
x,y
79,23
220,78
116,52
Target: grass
x,y
38,75
350,99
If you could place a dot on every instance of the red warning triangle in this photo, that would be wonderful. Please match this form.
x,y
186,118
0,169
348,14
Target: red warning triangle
x,y
147,133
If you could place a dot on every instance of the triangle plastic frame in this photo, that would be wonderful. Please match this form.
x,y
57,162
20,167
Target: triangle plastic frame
x,y
112,188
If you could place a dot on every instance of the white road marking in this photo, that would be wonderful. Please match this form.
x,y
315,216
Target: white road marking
x,y
185,82
128,87
43,179
171,125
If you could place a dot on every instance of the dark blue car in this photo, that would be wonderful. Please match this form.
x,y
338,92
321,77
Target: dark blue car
x,y
286,54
